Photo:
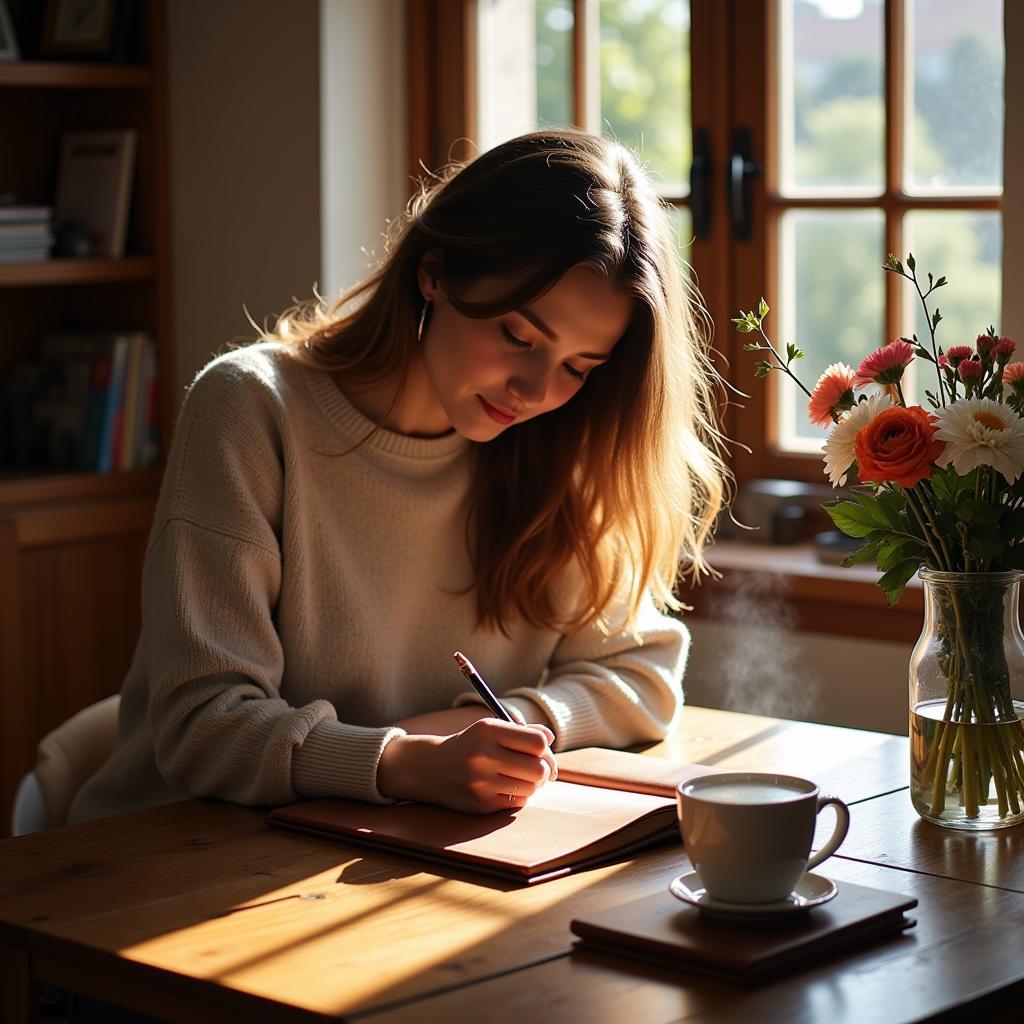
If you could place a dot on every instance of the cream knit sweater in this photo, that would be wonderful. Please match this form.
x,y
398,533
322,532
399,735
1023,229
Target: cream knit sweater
x,y
299,597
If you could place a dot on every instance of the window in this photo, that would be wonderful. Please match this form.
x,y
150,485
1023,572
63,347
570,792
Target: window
x,y
883,133
797,141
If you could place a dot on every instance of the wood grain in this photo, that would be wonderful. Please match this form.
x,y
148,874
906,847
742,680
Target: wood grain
x,y
851,763
197,911
204,890
889,831
966,943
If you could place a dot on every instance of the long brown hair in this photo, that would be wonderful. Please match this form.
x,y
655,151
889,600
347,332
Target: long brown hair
x,y
622,484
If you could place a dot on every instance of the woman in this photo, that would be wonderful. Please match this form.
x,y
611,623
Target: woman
x,y
501,441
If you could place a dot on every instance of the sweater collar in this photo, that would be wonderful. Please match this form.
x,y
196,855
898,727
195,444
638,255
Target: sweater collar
x,y
354,426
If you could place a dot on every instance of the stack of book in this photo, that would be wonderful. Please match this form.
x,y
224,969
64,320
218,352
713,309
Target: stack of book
x,y
26,233
89,402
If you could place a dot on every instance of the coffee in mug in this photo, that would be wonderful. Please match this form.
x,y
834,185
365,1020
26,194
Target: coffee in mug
x,y
749,834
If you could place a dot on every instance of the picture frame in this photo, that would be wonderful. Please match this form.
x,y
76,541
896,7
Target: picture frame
x,y
83,30
8,40
94,188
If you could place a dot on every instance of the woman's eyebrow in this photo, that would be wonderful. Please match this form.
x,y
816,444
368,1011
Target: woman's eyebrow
x,y
529,314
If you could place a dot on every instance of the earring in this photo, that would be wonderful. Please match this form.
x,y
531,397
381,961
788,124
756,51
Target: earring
x,y
423,320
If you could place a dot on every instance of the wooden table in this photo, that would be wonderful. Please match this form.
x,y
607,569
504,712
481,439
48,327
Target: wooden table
x,y
197,912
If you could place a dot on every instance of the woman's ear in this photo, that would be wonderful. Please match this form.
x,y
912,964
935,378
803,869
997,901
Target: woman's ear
x,y
428,274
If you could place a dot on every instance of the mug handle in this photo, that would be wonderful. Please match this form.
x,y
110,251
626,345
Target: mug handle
x,y
838,835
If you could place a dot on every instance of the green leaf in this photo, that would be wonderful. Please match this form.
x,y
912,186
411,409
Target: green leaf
x,y
851,518
897,577
762,368
936,317
923,353
1013,524
752,346
873,511
743,325
948,485
762,308
985,545
891,554
864,554
894,508
792,352
911,262
941,281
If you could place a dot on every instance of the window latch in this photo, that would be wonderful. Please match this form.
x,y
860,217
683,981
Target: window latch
x,y
701,184
742,171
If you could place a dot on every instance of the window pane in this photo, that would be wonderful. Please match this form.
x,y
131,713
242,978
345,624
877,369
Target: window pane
x,y
524,64
554,22
832,303
956,55
832,107
967,248
645,84
682,225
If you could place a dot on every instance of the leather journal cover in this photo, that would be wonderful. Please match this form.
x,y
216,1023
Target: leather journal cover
x,y
661,930
576,822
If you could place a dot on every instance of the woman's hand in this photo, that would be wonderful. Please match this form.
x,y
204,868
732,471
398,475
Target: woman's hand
x,y
489,766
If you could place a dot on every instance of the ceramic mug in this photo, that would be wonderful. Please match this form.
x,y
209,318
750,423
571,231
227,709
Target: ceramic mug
x,y
749,834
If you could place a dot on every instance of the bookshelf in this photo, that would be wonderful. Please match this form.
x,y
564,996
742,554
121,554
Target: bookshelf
x,y
72,543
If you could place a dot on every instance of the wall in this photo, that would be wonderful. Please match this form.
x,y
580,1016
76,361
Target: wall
x,y
363,133
813,677
1013,182
244,117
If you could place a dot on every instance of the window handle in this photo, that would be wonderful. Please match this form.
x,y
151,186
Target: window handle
x,y
701,184
742,171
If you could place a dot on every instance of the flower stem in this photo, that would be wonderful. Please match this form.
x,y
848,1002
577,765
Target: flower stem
x,y
931,331
783,365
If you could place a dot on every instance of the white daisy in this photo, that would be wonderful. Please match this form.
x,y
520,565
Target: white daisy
x,y
981,432
839,448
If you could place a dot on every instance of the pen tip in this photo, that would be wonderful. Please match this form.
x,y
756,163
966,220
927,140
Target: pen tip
x,y
461,660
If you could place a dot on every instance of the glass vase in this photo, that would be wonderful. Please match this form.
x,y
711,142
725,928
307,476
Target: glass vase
x,y
967,702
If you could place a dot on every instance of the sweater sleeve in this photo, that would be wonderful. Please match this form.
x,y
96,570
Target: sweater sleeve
x,y
611,690
210,651
214,664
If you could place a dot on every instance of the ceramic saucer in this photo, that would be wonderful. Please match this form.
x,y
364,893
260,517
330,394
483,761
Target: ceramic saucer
x,y
811,891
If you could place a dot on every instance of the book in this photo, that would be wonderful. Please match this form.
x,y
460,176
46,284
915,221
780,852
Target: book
x,y
659,929
585,818
110,430
94,186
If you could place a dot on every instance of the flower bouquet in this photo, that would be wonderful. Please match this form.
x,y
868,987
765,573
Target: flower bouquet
x,y
942,493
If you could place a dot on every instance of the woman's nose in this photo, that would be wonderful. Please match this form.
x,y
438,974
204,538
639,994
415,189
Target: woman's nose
x,y
529,387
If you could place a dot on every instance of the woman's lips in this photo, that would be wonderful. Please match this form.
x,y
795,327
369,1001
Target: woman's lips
x,y
496,414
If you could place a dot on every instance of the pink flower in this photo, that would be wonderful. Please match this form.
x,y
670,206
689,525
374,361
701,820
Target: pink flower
x,y
970,370
985,344
885,365
958,353
832,395
1005,348
944,363
1013,374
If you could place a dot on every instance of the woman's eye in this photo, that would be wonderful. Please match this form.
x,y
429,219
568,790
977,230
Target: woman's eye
x,y
512,339
578,374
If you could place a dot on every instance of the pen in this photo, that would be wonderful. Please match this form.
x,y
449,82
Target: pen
x,y
467,669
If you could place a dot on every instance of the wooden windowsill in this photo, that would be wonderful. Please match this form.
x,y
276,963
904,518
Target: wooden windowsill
x,y
814,596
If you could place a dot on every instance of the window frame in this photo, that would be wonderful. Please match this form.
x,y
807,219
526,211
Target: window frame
x,y
757,270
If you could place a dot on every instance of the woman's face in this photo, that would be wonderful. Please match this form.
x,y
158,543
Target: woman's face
x,y
489,375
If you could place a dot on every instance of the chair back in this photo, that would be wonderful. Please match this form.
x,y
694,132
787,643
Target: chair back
x,y
66,758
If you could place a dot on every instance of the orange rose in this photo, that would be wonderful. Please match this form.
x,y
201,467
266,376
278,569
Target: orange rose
x,y
897,446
